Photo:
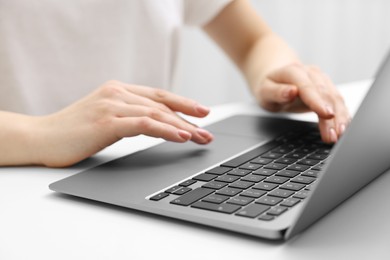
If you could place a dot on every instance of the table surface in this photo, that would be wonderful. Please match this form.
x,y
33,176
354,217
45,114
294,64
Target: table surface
x,y
36,223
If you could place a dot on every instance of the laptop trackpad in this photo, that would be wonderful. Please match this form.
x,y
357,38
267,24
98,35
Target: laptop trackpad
x,y
135,176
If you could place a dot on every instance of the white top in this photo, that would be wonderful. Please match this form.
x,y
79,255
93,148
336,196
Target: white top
x,y
52,53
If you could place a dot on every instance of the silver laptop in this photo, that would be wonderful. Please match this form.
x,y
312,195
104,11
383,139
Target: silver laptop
x,y
262,176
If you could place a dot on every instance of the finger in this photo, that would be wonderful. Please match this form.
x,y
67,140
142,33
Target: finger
x,y
342,119
324,88
200,136
274,97
133,126
174,102
134,98
128,97
119,91
308,92
328,130
342,115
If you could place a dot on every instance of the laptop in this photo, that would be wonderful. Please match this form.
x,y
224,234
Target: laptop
x,y
262,176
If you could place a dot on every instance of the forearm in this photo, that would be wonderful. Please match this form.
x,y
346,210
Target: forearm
x,y
249,41
16,137
276,77
265,54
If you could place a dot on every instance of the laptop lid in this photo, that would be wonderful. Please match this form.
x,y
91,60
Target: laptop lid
x,y
361,155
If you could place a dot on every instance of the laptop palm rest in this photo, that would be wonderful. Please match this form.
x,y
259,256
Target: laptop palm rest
x,y
128,180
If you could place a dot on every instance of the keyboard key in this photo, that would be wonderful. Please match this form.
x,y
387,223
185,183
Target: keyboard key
x,y
204,177
303,179
227,178
246,157
265,186
215,198
267,200
187,183
298,167
318,167
229,191
281,193
265,172
239,172
173,189
286,160
324,151
159,196
276,179
291,146
275,166
223,208
309,187
295,155
252,210
271,155
253,193
218,170
266,217
250,166
261,160
310,162
182,190
311,173
282,150
287,173
318,156
290,202
276,211
192,196
240,200
306,150
301,194
241,184
215,185
253,178
292,186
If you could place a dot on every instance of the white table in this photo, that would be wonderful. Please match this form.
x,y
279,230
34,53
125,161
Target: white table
x,y
36,223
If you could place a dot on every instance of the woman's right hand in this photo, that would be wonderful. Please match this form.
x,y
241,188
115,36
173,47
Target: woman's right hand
x,y
114,111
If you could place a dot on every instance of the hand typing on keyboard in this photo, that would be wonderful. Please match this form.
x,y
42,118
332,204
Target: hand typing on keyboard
x,y
300,88
279,81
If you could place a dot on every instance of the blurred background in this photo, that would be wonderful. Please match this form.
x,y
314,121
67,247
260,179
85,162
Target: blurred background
x,y
346,38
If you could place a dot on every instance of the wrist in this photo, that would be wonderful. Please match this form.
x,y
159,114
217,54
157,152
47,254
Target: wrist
x,y
18,138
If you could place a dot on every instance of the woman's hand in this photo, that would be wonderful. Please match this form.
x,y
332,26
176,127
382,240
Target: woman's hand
x,y
273,71
300,88
113,111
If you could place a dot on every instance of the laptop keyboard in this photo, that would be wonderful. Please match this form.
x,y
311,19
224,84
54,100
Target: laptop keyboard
x,y
262,183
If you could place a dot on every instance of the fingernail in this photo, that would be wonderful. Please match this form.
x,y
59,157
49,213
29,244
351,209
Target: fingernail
x,y
329,110
184,135
206,135
203,132
342,129
202,109
332,135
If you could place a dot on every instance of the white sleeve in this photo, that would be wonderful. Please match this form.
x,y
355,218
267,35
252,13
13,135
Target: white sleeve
x,y
200,12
